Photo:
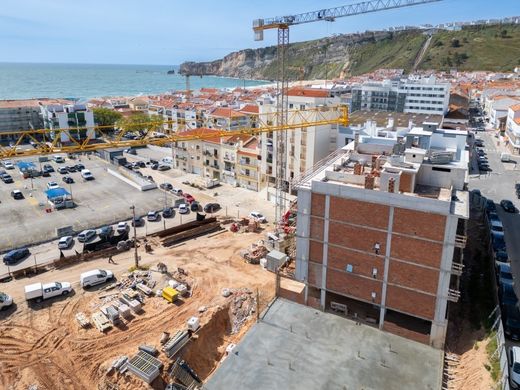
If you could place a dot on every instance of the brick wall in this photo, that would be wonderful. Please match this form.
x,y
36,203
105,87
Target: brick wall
x,y
360,213
356,237
419,224
318,205
315,251
362,263
405,182
411,302
406,333
316,228
353,285
314,276
416,251
412,276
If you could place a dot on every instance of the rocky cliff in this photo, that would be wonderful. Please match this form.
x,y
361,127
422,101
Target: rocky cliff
x,y
480,47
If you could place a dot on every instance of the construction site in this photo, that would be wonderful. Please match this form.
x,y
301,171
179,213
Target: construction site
x,y
89,339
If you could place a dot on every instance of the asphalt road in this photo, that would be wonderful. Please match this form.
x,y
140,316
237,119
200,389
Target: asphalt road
x,y
497,185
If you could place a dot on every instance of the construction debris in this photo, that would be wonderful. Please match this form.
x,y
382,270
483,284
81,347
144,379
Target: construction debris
x,y
254,253
242,307
193,324
164,337
183,373
149,349
101,322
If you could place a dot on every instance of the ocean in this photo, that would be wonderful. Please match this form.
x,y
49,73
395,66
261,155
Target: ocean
x,y
85,81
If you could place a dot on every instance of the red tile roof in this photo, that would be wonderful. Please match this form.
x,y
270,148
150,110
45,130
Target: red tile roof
x,y
308,92
515,108
225,112
250,109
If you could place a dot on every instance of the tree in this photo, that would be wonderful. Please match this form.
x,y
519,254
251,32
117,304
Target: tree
x,y
106,116
503,34
141,122
455,42
459,58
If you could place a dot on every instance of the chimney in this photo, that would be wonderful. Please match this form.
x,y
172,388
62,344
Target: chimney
x,y
390,123
374,160
358,169
369,182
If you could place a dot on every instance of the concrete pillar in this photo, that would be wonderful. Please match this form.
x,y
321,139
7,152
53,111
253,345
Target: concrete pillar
x,y
325,252
387,266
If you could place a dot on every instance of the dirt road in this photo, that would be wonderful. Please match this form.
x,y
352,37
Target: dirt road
x,y
44,346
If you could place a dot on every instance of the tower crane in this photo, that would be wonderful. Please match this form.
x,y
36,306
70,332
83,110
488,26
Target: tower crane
x,y
282,24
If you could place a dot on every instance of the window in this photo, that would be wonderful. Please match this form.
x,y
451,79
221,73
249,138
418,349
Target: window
x,y
349,268
438,169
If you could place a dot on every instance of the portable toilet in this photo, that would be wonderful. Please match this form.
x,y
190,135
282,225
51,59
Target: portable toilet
x,y
170,294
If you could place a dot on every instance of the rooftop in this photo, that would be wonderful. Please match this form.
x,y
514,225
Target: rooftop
x,y
297,347
401,119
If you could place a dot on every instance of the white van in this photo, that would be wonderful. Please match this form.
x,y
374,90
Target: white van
x,y
58,159
96,276
505,157
85,174
167,161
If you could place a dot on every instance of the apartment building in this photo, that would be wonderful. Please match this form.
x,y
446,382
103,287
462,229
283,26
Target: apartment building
x,y
225,118
381,227
305,146
412,95
513,128
76,118
22,114
248,165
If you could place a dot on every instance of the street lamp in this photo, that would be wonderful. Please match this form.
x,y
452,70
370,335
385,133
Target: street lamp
x,y
135,237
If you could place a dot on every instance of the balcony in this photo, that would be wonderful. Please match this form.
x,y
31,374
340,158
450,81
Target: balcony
x,y
453,295
457,268
460,241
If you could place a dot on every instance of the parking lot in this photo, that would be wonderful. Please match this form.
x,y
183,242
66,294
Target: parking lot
x,y
103,201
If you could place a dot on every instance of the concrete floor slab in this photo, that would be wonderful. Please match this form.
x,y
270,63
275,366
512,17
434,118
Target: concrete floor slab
x,y
297,347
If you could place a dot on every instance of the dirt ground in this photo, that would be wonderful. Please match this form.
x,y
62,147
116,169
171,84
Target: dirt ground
x,y
43,345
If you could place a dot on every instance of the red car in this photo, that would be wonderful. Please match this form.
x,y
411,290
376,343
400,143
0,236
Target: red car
x,y
189,198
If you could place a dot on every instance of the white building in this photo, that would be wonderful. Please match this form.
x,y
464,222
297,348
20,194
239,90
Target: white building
x,y
76,118
412,95
513,128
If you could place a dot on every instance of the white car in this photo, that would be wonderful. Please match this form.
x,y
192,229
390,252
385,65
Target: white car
x,y
183,208
122,227
257,216
5,301
96,276
176,191
514,367
65,242
58,159
52,185
86,235
8,165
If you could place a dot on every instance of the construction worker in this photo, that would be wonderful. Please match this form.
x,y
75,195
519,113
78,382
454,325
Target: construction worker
x,y
110,260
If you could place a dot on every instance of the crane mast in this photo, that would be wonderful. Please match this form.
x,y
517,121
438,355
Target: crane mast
x,y
282,24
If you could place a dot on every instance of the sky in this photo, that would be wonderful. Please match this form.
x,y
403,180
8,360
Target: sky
x,y
169,32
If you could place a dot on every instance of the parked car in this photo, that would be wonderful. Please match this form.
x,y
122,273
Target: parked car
x,y
195,206
498,241
506,295
257,216
508,206
490,206
168,212
52,185
496,226
63,170
79,167
131,151
58,159
149,178
503,274
48,168
129,166
106,231
65,242
176,191
166,186
514,366
15,255
501,257
39,291
183,208
8,165
188,197
152,216
122,227
492,216
211,207
17,194
138,221
7,179
68,179
140,164
85,173
96,276
154,166
45,174
163,167
512,322
86,235
71,168
5,301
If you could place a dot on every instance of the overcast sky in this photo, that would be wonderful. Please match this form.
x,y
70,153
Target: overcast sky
x,y
172,31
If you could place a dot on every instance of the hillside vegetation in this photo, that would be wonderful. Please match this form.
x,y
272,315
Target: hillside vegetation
x,y
480,47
